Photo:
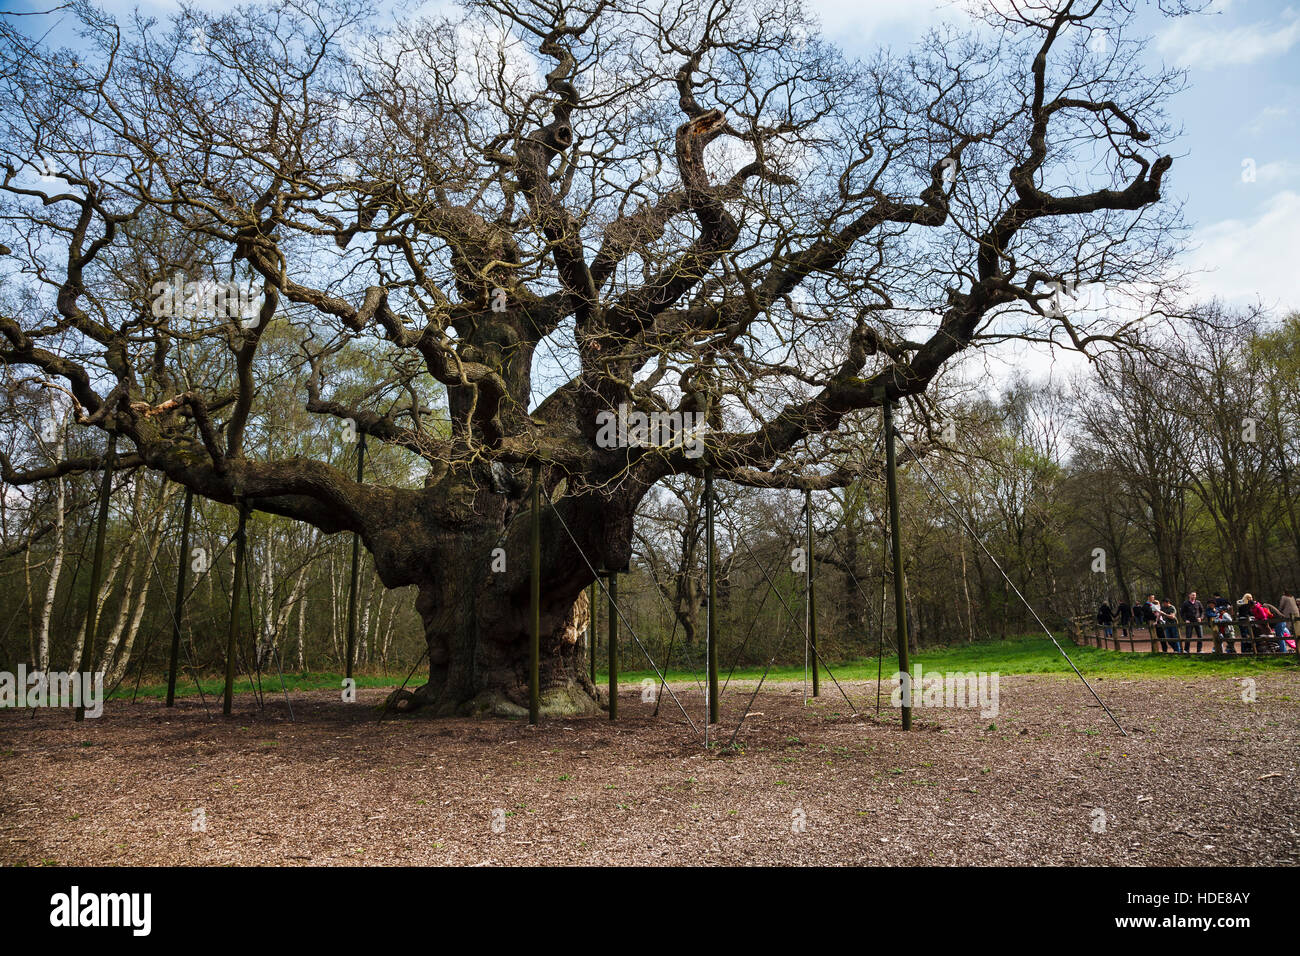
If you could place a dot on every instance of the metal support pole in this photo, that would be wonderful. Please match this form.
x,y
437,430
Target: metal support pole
x,y
880,620
535,604
356,568
896,541
613,645
591,631
232,633
809,569
711,632
97,562
178,608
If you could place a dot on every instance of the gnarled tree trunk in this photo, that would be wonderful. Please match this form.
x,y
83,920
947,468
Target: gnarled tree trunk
x,y
472,566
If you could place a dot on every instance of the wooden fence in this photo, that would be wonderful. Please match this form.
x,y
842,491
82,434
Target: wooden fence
x,y
1241,635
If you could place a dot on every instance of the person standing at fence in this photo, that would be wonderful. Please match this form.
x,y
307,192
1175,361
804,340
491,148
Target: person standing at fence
x,y
1106,618
1125,616
1288,611
1193,612
1246,622
1156,625
1169,617
1150,616
1287,605
1220,615
1221,612
1265,615
1272,616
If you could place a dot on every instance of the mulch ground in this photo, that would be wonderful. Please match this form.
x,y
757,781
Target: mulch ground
x,y
1204,777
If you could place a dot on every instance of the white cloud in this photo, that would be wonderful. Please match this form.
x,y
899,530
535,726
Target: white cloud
x,y
1197,41
1277,173
1270,119
1248,260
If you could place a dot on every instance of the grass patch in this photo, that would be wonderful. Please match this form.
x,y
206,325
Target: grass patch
x,y
1029,655
1018,656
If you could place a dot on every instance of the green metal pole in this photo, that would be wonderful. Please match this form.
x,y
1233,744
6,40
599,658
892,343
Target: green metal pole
x,y
896,542
591,631
613,645
178,608
809,568
356,568
880,620
97,563
535,598
711,628
232,633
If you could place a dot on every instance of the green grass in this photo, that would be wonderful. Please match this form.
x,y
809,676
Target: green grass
x,y
1019,656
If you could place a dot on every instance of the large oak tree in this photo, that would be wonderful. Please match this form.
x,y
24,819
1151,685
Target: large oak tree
x,y
535,212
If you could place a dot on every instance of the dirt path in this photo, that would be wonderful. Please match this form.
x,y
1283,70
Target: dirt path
x,y
1204,777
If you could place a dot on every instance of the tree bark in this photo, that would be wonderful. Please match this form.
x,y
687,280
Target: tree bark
x,y
478,649
475,607
52,586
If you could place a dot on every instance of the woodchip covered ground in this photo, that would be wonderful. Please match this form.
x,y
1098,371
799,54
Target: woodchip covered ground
x,y
1204,777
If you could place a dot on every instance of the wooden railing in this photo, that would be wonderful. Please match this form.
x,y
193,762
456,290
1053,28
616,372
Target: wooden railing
x,y
1247,633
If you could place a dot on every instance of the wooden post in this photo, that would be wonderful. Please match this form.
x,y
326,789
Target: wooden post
x,y
710,627
811,602
613,645
232,633
535,605
896,542
97,562
178,608
356,568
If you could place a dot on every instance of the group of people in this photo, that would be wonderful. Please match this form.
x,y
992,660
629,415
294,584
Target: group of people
x,y
1247,620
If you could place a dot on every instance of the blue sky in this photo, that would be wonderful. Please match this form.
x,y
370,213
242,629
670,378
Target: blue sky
x,y
1242,106
1242,103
